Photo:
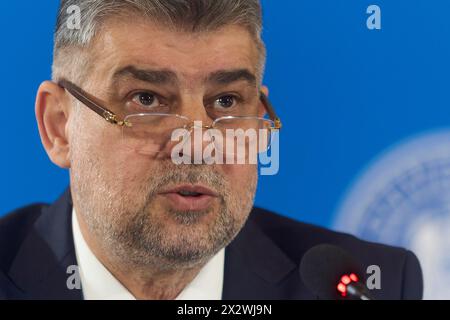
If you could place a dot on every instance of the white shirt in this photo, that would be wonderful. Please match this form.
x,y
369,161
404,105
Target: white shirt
x,y
99,284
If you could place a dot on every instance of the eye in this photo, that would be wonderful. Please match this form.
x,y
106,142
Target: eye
x,y
225,102
146,100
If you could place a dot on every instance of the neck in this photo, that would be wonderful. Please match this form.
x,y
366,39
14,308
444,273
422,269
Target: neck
x,y
151,283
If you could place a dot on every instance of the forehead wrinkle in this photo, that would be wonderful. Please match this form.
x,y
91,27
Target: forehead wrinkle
x,y
192,71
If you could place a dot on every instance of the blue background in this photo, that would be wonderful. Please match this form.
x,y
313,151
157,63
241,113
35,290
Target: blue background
x,y
344,93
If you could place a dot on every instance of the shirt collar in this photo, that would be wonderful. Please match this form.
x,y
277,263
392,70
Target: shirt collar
x,y
99,284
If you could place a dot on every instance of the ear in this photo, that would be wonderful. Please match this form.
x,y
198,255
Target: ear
x,y
52,114
262,110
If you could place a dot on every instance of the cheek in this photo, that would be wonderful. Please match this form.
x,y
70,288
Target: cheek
x,y
241,177
96,148
133,175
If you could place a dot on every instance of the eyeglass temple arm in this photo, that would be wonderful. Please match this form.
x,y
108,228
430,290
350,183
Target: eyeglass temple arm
x,y
109,116
85,98
270,110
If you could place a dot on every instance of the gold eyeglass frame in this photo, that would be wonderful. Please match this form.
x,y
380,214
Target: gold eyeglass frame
x,y
92,103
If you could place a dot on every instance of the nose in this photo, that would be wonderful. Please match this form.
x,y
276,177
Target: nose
x,y
192,106
191,144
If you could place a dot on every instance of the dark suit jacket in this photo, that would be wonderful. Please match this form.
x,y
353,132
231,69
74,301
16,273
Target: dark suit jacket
x,y
36,248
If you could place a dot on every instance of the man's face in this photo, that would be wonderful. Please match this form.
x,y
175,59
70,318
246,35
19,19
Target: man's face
x,y
128,201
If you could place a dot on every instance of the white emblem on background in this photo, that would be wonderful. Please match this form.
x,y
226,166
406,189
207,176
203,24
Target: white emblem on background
x,y
403,199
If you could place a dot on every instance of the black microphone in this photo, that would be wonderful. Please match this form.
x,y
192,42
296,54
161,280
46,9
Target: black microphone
x,y
332,273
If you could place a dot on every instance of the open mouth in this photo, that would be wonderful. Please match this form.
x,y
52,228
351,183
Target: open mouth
x,y
190,197
185,193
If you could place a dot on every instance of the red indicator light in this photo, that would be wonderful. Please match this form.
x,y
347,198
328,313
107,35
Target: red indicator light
x,y
342,289
354,277
346,280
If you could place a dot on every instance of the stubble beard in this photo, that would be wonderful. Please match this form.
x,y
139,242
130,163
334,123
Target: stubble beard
x,y
129,227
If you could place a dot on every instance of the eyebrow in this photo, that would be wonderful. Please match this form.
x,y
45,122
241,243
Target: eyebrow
x,y
224,77
160,77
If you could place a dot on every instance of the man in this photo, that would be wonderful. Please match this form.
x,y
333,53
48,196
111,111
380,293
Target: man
x,y
134,224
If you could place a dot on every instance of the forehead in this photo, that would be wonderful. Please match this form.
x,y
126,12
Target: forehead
x,y
190,55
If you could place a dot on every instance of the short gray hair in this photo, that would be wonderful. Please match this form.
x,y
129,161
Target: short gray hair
x,y
186,15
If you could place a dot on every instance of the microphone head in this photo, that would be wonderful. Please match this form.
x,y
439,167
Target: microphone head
x,y
323,266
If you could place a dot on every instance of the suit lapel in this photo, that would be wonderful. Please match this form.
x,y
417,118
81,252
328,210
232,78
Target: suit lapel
x,y
256,268
39,268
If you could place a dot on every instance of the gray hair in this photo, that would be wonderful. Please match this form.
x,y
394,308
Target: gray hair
x,y
185,15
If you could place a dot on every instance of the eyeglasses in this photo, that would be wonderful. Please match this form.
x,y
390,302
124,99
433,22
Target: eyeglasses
x,y
147,133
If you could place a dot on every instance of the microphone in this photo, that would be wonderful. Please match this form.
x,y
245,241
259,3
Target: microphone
x,y
333,274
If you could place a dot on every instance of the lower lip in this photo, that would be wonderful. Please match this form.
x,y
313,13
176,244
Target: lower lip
x,y
181,203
